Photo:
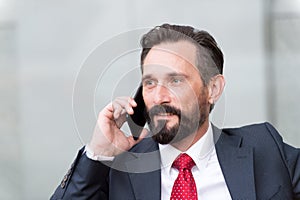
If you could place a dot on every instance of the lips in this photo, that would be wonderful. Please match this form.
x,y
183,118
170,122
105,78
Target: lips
x,y
164,114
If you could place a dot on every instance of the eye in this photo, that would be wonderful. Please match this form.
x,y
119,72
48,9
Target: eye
x,y
176,80
149,83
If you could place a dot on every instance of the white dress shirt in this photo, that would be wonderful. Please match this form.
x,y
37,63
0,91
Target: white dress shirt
x,y
207,173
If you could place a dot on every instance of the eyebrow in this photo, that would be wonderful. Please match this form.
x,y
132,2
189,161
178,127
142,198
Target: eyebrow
x,y
168,75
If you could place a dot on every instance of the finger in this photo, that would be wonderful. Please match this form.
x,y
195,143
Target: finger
x,y
123,105
117,110
119,106
130,100
131,104
143,135
121,120
108,111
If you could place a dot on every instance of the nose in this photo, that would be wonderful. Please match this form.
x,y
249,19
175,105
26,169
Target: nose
x,y
162,95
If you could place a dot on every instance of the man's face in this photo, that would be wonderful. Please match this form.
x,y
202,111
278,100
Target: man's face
x,y
173,91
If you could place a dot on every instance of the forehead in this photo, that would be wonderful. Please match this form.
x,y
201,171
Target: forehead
x,y
175,56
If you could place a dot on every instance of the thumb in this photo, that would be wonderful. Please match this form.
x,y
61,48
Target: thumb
x,y
143,135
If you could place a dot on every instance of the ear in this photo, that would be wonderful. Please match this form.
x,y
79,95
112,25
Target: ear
x,y
215,88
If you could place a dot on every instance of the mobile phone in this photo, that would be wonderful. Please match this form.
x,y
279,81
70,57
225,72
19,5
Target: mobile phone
x,y
137,120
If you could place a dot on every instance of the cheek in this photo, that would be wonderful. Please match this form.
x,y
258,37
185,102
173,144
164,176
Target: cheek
x,y
148,100
187,98
203,96
190,101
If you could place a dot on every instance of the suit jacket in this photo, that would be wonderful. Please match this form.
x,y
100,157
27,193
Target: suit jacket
x,y
256,164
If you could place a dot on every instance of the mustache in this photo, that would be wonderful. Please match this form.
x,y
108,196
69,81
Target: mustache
x,y
161,109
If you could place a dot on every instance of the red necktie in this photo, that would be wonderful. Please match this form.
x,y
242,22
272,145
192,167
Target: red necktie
x,y
184,187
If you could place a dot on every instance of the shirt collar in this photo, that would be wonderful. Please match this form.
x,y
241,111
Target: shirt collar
x,y
199,151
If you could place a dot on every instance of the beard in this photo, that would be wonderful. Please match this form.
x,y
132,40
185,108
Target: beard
x,y
188,123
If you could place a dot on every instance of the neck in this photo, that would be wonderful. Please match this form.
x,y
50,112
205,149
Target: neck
x,y
186,143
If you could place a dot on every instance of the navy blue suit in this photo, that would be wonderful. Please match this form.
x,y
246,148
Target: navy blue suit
x,y
255,162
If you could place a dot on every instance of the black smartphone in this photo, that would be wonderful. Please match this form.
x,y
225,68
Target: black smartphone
x,y
137,121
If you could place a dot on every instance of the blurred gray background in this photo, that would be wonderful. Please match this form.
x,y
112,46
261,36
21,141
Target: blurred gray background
x,y
46,45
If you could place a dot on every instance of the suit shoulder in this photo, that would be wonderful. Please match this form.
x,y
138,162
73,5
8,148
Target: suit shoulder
x,y
253,130
263,135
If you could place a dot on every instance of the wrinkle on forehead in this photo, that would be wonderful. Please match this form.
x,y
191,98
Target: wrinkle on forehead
x,y
181,53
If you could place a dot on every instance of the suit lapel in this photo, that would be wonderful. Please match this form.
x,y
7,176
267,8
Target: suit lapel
x,y
146,178
237,165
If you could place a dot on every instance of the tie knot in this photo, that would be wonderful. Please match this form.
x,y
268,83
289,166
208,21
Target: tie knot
x,y
183,161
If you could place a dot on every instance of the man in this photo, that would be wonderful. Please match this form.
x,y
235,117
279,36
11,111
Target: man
x,y
183,156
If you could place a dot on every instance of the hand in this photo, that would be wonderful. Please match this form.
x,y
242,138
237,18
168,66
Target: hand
x,y
108,139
